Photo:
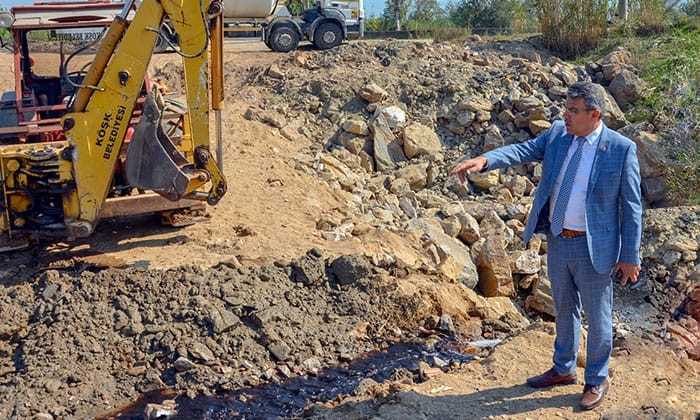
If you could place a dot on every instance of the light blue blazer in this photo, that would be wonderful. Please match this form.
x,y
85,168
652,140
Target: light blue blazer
x,y
613,200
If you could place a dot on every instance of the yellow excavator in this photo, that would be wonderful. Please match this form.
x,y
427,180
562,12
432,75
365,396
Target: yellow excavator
x,y
102,141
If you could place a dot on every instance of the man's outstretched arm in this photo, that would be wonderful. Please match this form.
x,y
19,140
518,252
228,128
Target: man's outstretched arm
x,y
503,157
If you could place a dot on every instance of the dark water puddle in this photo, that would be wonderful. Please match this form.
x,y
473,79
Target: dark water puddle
x,y
289,399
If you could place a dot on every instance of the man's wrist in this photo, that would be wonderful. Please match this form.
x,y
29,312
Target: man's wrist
x,y
630,261
486,165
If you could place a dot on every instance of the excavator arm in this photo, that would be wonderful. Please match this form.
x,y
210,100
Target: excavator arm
x,y
98,120
61,188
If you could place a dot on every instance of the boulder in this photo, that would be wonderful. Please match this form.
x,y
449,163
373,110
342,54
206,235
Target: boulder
x,y
492,225
416,175
469,228
612,114
356,126
451,226
420,140
493,138
388,150
475,104
465,118
485,180
373,93
613,63
348,269
394,116
540,299
493,264
455,260
567,76
538,126
627,88
654,190
527,103
525,262
649,154
354,143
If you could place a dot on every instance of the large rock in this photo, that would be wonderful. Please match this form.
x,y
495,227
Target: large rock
x,y
419,140
356,126
354,143
373,93
350,268
485,180
493,138
394,116
416,175
525,262
540,299
655,190
387,148
469,228
492,225
612,114
455,260
538,126
627,88
527,103
493,263
613,63
475,104
566,75
651,158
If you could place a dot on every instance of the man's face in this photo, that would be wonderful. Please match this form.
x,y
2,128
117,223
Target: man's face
x,y
580,120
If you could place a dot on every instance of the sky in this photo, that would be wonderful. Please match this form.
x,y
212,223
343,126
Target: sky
x,y
372,7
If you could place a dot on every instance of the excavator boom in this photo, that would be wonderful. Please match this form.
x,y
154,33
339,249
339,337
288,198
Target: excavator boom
x,y
76,175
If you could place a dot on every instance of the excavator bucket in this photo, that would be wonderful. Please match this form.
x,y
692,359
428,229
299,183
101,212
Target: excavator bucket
x,y
152,160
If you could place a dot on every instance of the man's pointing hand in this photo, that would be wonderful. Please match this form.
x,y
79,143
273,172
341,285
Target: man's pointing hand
x,y
469,166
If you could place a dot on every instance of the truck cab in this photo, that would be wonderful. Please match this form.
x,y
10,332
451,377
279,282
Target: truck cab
x,y
325,26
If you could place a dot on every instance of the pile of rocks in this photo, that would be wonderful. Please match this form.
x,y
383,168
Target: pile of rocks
x,y
389,119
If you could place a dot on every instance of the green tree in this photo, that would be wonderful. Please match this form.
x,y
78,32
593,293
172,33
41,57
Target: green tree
x,y
487,15
427,11
396,12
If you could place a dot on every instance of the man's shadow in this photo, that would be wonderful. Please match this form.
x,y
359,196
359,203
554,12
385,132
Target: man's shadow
x,y
508,401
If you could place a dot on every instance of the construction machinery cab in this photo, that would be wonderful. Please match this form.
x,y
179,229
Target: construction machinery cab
x,y
86,135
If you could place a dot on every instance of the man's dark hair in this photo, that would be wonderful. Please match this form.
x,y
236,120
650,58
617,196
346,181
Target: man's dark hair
x,y
588,92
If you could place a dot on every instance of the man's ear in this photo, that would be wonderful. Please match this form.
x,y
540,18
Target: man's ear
x,y
598,114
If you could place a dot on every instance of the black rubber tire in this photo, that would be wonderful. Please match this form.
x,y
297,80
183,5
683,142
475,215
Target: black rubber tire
x,y
328,35
283,39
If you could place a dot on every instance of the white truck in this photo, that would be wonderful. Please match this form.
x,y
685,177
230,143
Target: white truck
x,y
326,25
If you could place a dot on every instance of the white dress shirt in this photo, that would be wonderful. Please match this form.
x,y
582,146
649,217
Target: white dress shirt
x,y
575,214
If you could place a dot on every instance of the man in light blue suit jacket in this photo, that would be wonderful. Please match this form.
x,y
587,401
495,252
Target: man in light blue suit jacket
x,y
588,203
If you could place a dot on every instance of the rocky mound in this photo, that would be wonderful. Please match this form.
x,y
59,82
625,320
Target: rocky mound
x,y
75,344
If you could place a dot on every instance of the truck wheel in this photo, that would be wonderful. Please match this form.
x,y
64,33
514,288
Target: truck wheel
x,y
328,35
283,39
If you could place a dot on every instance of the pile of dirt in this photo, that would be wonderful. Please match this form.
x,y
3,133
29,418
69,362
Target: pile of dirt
x,y
75,344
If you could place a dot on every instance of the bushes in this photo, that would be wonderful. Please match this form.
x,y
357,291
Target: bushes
x,y
492,16
671,64
438,30
572,27
648,17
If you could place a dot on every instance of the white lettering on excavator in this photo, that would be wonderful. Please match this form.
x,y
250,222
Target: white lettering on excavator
x,y
114,132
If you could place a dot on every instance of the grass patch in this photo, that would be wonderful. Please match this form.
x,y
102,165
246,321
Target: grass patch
x,y
670,64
